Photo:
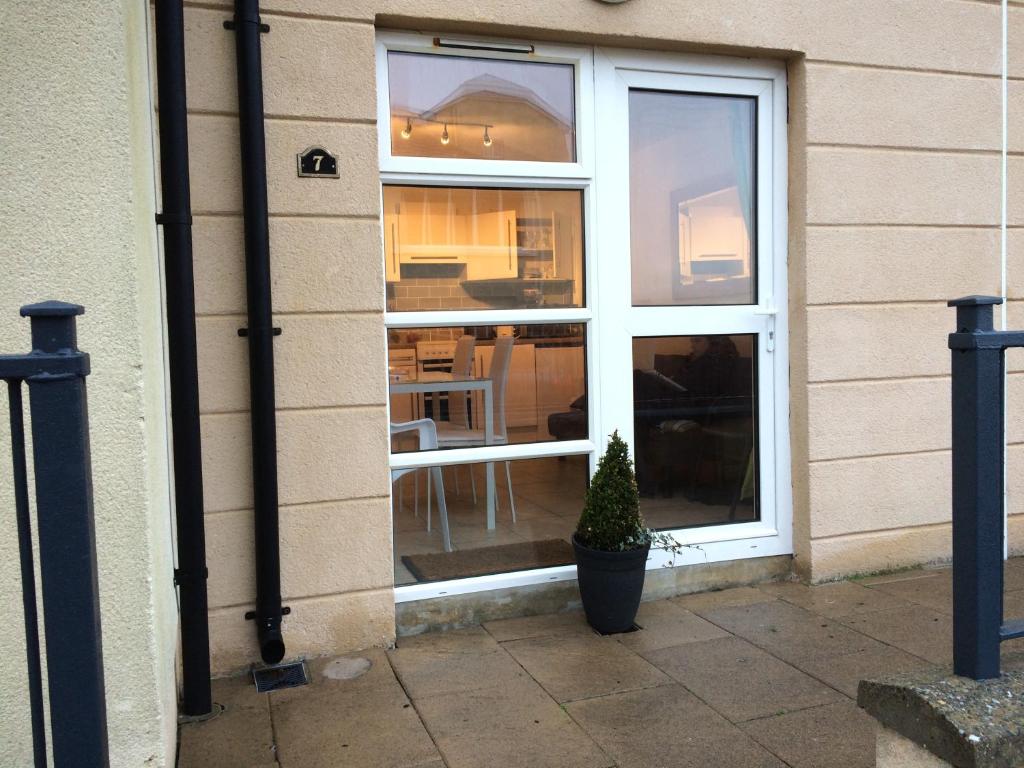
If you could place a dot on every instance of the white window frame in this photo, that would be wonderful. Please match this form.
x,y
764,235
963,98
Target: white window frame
x,y
397,170
581,59
616,72
592,68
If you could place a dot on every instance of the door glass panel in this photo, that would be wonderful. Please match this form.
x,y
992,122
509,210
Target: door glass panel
x,y
534,376
547,494
695,435
471,248
692,213
489,109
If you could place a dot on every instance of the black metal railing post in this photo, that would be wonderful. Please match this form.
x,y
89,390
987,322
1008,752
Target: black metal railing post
x,y
977,374
23,514
55,373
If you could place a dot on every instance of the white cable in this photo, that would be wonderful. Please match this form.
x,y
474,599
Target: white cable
x,y
1002,250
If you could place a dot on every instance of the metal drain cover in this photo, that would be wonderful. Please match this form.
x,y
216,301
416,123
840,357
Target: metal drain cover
x,y
280,677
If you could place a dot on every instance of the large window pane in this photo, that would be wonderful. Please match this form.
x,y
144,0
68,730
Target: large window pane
x,y
695,438
547,494
534,376
456,106
692,213
464,248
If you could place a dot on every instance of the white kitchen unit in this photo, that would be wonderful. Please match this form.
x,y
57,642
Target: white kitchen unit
x,y
521,393
448,227
402,367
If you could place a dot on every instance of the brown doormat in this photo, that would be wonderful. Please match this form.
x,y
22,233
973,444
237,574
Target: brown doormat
x,y
463,563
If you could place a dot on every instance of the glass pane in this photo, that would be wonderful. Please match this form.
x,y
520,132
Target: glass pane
x,y
490,109
695,434
692,215
548,496
461,248
533,375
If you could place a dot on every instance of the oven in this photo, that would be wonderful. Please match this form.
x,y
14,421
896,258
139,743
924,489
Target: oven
x,y
435,357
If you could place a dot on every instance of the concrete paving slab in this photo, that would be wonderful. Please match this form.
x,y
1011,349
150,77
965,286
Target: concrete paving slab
x,y
844,673
571,623
518,726
377,727
833,736
916,629
932,589
667,726
665,624
701,602
580,666
833,600
1013,574
323,683
756,684
885,578
788,631
452,662
241,736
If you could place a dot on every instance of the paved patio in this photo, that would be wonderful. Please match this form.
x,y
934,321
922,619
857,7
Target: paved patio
x,y
754,676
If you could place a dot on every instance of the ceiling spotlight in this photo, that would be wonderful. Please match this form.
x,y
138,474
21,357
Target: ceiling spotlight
x,y
487,138
445,138
407,131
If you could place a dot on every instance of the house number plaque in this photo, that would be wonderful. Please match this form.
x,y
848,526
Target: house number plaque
x,y
317,162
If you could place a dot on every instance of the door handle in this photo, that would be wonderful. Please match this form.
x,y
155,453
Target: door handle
x,y
770,311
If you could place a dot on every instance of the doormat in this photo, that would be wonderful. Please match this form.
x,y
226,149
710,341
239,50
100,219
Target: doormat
x,y
463,563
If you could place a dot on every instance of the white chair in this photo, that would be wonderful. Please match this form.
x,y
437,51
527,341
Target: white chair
x,y
458,402
452,435
426,432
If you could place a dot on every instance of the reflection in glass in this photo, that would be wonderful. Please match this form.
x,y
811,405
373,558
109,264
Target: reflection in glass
x,y
535,376
466,248
456,106
548,495
695,439
692,214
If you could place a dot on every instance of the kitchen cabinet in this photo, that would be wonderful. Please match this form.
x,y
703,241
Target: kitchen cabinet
x,y
436,231
521,392
561,378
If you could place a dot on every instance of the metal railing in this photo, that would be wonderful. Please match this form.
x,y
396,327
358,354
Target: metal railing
x,y
978,366
54,372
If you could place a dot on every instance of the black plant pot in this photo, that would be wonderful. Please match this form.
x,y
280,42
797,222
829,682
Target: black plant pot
x,y
610,584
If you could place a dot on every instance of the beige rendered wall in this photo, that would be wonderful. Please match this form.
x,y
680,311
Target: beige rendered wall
x,y
76,223
894,208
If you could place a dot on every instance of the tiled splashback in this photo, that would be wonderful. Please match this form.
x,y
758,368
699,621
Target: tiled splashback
x,y
441,286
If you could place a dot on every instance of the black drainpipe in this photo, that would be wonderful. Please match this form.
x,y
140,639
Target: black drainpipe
x,y
260,331
176,219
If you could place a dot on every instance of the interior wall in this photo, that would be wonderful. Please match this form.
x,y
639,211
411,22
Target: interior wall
x,y
77,206
893,209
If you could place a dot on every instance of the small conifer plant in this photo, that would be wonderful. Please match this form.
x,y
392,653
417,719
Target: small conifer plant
x,y
611,519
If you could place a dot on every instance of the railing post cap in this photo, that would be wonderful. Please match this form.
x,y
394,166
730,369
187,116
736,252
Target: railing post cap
x,y
52,309
974,301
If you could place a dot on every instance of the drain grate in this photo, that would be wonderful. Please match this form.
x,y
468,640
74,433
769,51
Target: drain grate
x,y
280,677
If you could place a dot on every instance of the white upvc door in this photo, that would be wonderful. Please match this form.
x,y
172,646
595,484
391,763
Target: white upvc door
x,y
696,259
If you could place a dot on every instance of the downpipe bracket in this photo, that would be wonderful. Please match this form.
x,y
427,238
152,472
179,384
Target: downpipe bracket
x,y
229,24
244,332
251,615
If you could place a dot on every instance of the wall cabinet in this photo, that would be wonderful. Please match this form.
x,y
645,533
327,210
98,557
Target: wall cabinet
x,y
435,232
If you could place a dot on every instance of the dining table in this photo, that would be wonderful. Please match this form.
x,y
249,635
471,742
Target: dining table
x,y
435,382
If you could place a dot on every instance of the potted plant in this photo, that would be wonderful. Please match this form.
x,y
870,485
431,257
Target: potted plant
x,y
612,542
